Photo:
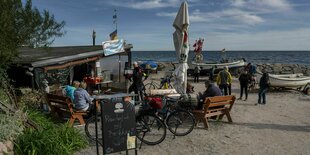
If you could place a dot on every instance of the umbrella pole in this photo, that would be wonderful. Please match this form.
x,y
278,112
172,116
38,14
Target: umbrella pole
x,y
185,81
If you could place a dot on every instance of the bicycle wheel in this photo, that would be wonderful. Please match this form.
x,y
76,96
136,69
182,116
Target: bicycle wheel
x,y
90,128
148,87
150,129
180,122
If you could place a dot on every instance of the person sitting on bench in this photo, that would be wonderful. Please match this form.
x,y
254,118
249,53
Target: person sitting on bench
x,y
82,100
212,90
69,90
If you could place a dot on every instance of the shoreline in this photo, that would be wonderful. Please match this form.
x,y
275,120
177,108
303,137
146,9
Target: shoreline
x,y
275,68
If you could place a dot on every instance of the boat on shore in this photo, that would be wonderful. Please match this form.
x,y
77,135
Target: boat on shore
x,y
148,64
208,65
287,80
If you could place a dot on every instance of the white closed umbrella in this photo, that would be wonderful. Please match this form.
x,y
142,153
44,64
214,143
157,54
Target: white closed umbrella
x,y
180,39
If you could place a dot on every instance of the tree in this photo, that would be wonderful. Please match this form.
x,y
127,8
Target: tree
x,y
24,25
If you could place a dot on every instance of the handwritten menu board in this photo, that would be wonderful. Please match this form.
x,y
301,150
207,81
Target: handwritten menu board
x,y
119,125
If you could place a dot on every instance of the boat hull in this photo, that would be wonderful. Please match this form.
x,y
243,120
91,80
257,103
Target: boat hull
x,y
235,64
287,80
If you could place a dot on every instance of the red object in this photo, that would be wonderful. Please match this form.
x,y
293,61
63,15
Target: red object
x,y
92,80
156,103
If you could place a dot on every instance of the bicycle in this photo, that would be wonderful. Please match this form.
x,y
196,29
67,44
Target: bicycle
x,y
151,85
179,122
165,83
150,129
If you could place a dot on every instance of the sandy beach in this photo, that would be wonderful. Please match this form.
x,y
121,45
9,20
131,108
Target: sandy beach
x,y
282,126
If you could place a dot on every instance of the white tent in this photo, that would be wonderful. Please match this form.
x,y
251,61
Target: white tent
x,y
180,38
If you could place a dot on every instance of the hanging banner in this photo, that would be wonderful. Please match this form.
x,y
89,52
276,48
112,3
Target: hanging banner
x,y
113,47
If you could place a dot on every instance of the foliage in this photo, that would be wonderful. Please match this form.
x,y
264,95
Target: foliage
x,y
33,99
11,121
10,126
50,139
22,25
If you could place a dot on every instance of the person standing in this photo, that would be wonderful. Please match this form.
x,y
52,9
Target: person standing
x,y
263,87
137,86
196,73
211,91
244,80
223,80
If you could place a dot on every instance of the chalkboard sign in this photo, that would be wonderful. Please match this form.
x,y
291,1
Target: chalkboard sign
x,y
119,125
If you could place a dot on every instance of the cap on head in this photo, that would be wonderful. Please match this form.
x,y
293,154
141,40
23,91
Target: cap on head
x,y
135,63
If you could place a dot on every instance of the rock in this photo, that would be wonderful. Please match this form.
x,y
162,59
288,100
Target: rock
x,y
277,69
160,66
9,145
307,73
268,69
297,70
284,68
3,148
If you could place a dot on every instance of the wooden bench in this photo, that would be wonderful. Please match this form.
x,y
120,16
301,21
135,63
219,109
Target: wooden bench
x,y
217,106
62,105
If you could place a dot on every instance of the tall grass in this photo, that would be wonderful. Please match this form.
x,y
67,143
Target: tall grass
x,y
50,139
10,124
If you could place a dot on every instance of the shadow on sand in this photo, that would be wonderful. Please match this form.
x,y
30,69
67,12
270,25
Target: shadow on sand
x,y
299,128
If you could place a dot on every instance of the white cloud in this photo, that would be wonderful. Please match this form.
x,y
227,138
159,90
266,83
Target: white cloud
x,y
271,5
242,16
269,40
147,4
229,15
196,16
238,3
249,19
166,14
277,4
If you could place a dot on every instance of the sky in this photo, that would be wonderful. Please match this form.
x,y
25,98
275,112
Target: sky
x,y
147,24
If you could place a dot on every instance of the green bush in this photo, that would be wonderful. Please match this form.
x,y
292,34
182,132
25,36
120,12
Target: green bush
x,y
10,126
50,139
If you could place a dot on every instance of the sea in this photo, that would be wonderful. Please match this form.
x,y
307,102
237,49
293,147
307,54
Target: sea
x,y
255,57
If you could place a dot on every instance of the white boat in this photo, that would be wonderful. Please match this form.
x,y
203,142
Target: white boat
x,y
234,64
287,80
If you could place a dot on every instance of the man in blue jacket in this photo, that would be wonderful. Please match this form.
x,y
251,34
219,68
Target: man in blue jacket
x,y
211,91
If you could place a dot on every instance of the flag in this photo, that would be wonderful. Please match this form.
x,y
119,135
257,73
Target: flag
x,y
113,47
113,35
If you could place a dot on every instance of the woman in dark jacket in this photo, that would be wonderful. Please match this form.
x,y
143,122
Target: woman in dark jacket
x,y
263,87
244,80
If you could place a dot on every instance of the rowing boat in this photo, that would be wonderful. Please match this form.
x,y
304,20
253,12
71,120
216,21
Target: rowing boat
x,y
286,80
234,64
